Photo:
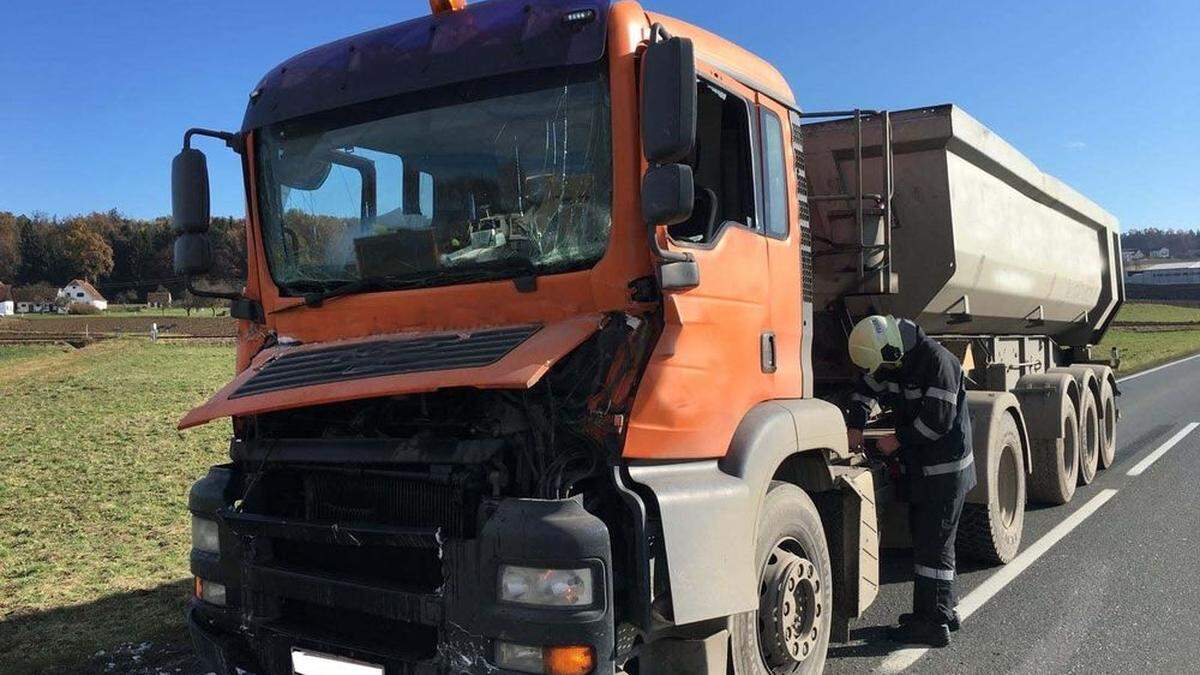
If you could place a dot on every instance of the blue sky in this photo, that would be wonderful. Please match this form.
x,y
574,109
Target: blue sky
x,y
1103,94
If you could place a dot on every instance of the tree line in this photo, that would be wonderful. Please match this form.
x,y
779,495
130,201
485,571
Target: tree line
x,y
1182,243
125,258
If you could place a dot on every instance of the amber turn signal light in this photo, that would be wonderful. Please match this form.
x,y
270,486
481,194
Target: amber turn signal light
x,y
570,660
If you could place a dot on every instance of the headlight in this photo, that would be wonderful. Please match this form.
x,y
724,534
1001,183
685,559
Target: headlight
x,y
550,587
205,536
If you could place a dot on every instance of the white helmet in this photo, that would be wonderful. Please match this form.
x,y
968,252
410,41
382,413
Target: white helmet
x,y
875,341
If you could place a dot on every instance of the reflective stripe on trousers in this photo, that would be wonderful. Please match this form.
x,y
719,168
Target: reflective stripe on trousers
x,y
934,573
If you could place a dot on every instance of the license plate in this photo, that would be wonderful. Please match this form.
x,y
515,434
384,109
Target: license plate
x,y
305,662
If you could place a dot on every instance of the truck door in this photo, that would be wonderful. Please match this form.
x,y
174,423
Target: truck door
x,y
783,225
708,368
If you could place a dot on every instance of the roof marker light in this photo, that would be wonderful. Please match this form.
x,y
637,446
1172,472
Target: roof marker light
x,y
440,6
579,17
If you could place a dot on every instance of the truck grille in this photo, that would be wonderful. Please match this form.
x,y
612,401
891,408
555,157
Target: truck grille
x,y
363,551
384,499
379,358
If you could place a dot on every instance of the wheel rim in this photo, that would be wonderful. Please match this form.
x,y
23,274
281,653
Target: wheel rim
x,y
1070,457
1110,421
1008,485
789,607
1090,447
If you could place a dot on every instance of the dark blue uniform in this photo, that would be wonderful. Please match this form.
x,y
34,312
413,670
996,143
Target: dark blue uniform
x,y
928,396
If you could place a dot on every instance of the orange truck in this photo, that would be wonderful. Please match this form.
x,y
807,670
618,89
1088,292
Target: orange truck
x,y
541,355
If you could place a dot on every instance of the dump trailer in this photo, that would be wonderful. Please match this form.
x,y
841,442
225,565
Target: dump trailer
x,y
541,354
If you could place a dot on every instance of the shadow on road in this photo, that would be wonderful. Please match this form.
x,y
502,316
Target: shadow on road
x,y
137,632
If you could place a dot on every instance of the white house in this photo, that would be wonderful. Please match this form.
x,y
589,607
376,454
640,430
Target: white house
x,y
1161,253
7,308
81,291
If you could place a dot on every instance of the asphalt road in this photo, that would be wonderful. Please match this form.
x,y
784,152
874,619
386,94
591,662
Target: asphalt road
x,y
1116,587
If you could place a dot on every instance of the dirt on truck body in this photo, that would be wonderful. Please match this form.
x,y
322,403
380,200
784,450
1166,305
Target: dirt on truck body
x,y
541,350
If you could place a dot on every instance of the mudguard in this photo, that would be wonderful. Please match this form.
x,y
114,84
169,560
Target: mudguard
x,y
1043,398
709,508
987,409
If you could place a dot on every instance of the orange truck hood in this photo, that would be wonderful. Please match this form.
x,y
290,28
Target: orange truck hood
x,y
519,368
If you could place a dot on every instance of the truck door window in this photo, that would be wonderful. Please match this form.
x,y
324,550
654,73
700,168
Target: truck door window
x,y
722,165
775,210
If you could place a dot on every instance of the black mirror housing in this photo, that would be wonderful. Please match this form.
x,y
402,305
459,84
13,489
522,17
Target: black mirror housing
x,y
193,254
668,100
189,193
668,194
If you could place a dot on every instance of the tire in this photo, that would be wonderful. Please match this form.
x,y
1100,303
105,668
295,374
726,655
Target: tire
x,y
789,524
1089,439
1056,462
991,532
1108,425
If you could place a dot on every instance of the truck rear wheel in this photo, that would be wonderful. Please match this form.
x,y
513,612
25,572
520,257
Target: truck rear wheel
x,y
1056,462
991,532
1089,438
789,633
1108,425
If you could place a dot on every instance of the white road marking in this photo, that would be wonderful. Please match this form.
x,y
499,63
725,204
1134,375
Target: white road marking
x,y
1158,368
901,659
1161,450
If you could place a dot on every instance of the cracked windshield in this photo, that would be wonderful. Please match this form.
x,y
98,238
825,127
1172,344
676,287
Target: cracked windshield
x,y
495,187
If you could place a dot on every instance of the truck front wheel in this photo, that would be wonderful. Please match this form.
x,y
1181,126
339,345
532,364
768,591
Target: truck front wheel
x,y
789,633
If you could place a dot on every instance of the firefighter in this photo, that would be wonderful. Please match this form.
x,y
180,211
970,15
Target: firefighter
x,y
921,382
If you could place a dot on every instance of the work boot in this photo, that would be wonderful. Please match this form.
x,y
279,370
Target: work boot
x,y
953,624
921,632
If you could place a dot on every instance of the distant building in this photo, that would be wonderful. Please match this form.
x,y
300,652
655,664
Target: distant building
x,y
81,291
1161,253
1127,256
1165,274
158,299
7,304
36,299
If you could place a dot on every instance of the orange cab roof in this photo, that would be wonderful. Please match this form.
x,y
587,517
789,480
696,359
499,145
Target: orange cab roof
x,y
744,66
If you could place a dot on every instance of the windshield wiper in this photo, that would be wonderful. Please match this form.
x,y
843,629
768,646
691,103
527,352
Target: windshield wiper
x,y
485,271
317,298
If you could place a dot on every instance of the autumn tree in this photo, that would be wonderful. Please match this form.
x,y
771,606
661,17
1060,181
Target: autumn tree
x,y
87,250
10,248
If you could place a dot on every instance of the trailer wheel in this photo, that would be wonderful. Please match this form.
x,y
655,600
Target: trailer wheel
x,y
789,633
1056,462
991,532
1108,425
1089,438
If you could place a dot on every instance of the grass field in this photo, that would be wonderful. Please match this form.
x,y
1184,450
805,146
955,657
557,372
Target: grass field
x,y
93,481
1145,346
93,491
1152,312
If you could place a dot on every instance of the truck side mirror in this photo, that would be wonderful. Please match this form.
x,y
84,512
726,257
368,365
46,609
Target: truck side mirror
x,y
668,194
189,192
190,213
668,100
193,254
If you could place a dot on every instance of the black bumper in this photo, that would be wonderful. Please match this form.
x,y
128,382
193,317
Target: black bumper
x,y
447,627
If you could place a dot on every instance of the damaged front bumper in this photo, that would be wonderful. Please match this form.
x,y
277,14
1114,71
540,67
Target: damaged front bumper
x,y
409,599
